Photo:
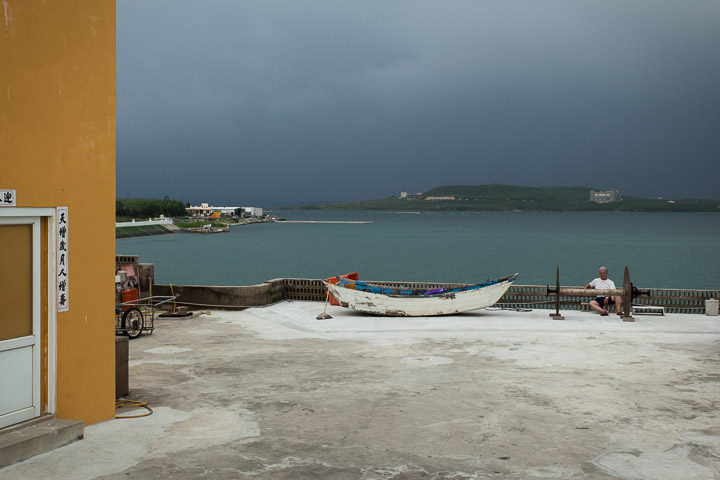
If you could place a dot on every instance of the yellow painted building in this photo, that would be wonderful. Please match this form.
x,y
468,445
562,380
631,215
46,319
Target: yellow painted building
x,y
57,149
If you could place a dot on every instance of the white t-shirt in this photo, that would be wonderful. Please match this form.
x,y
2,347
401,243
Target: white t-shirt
x,y
601,284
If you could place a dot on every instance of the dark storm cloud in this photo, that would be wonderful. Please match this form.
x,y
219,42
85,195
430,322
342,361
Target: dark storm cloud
x,y
331,100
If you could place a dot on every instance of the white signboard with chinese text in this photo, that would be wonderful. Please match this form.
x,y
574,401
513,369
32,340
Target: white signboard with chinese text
x,y
63,301
7,198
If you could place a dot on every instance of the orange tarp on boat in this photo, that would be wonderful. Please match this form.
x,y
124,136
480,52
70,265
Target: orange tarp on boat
x,y
334,280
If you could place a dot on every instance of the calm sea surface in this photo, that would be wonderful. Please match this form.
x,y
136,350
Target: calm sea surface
x,y
661,250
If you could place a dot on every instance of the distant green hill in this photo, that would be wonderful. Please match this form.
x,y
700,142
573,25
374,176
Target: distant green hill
x,y
517,198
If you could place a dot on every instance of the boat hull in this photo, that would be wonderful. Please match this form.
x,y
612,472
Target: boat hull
x,y
421,305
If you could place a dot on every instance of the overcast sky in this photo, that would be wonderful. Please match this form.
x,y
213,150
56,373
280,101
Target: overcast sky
x,y
260,102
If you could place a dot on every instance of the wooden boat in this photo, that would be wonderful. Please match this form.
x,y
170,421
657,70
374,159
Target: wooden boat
x,y
407,302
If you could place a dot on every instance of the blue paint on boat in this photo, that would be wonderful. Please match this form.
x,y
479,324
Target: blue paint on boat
x,y
433,292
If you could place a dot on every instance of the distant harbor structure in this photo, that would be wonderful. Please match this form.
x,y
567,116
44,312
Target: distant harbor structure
x,y
207,210
439,198
410,196
605,196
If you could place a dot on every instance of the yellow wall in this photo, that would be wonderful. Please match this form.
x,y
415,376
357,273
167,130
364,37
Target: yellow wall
x,y
57,148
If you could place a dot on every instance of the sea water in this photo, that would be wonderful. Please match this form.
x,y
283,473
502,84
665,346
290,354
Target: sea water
x,y
662,250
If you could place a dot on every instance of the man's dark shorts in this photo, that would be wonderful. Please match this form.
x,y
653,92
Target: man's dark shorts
x,y
601,301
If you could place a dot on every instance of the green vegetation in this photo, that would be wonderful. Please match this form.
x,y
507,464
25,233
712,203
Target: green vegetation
x,y
138,231
148,208
517,198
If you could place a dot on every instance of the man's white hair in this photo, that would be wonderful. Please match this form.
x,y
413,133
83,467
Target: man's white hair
x,y
602,268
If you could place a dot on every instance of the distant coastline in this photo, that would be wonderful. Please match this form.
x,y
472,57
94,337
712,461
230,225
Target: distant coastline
x,y
325,221
489,198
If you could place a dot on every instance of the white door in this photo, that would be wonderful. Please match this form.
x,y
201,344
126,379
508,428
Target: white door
x,y
19,319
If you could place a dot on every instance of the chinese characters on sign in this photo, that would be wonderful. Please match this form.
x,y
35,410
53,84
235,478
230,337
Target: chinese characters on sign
x,y
7,198
62,260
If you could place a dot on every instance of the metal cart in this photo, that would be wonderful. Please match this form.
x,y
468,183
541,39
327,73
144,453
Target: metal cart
x,y
136,316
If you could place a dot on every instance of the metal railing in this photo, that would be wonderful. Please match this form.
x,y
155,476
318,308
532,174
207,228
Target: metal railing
x,y
525,296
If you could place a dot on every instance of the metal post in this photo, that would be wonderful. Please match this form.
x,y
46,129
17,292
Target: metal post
x,y
627,297
556,315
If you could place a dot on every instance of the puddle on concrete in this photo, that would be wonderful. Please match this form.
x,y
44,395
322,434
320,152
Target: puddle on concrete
x,y
203,331
672,463
168,349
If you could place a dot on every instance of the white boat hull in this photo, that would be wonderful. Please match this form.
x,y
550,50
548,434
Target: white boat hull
x,y
419,306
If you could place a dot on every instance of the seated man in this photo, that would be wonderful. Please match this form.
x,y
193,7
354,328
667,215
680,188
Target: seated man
x,y
600,303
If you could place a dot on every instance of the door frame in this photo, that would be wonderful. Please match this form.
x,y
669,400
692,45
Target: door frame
x,y
35,216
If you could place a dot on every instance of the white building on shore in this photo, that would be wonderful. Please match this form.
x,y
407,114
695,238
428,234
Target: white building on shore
x,y
605,196
253,211
206,210
410,196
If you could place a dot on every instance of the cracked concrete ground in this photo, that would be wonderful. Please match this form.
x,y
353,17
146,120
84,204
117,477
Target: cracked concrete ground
x,y
273,393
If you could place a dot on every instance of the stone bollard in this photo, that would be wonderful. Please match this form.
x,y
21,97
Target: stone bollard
x,y
711,307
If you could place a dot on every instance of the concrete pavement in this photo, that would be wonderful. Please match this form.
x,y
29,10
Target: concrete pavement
x,y
274,393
